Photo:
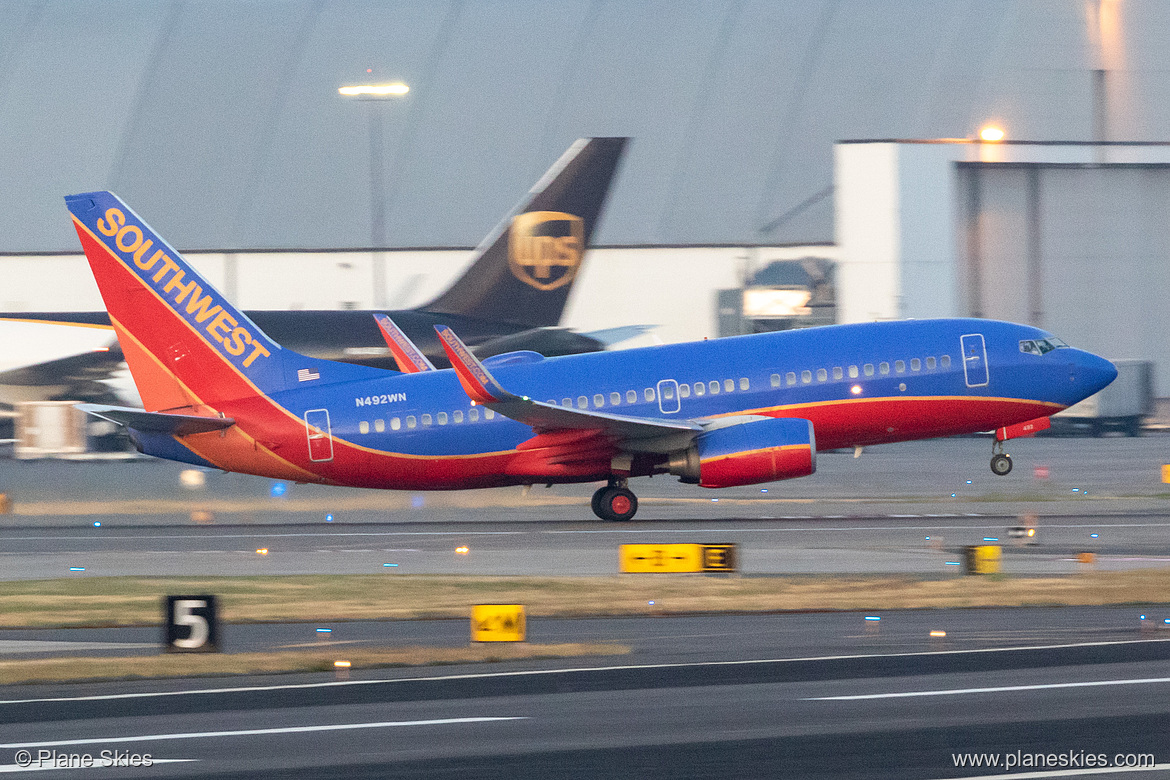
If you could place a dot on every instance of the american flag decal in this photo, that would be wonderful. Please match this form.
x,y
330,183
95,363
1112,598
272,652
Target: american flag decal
x,y
307,374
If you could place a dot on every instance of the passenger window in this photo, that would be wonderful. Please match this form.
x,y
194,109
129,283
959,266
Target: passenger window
x,y
426,420
868,368
667,392
488,414
930,363
822,375
729,385
473,414
457,416
411,422
775,379
700,388
567,402
900,366
631,396
598,401
684,391
364,427
744,384
915,364
648,393
441,418
713,386
582,402
395,424
884,368
946,361
790,377
615,398
806,376
380,426
838,373
852,372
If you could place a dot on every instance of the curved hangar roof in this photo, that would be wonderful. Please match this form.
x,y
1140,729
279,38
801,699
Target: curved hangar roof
x,y
222,122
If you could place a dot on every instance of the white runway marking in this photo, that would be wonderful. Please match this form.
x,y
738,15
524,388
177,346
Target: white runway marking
x,y
996,689
256,732
566,670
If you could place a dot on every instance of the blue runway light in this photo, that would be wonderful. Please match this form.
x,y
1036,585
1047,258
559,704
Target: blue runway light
x,y
278,489
328,518
763,490
1076,490
968,482
97,523
651,603
952,563
991,538
1094,535
1143,617
389,565
324,630
76,568
872,617
928,538
715,500
952,495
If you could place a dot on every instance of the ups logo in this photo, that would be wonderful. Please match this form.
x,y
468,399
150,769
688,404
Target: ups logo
x,y
545,248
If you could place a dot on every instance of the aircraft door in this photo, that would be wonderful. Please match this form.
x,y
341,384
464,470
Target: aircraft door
x,y
668,396
320,436
974,360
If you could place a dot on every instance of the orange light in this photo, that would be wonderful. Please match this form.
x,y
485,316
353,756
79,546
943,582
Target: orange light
x,y
262,551
991,134
464,550
938,633
342,664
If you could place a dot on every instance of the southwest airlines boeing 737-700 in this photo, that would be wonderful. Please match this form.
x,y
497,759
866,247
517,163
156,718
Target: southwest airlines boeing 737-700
x,y
220,393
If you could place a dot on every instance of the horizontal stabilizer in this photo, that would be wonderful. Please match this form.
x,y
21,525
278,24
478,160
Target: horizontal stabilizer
x,y
157,422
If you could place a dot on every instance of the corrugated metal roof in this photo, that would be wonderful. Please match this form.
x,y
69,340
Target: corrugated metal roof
x,y
220,120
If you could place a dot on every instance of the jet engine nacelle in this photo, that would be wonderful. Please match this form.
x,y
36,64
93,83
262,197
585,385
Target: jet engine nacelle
x,y
748,453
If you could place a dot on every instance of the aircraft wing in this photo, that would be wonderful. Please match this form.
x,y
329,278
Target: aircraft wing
x,y
635,433
157,422
82,367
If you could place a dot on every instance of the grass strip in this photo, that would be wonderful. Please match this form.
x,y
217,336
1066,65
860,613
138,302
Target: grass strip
x,y
222,664
120,601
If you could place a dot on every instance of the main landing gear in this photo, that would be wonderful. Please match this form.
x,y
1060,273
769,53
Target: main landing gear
x,y
615,501
1001,462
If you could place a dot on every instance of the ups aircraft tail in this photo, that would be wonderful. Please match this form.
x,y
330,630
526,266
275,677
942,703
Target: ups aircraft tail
x,y
524,268
186,345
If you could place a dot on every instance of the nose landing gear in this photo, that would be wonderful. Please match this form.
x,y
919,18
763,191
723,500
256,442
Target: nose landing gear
x,y
1001,462
615,502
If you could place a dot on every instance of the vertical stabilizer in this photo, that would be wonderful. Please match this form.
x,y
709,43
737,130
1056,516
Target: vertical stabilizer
x,y
524,269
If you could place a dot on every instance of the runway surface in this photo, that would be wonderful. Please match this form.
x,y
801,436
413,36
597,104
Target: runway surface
x,y
881,714
890,511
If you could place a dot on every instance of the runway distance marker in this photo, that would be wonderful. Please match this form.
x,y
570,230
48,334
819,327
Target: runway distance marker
x,y
497,623
677,558
190,624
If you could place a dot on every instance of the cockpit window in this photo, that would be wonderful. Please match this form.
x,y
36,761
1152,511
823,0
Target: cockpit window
x,y
1041,346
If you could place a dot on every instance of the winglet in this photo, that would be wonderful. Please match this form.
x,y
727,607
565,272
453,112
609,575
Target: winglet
x,y
477,381
409,358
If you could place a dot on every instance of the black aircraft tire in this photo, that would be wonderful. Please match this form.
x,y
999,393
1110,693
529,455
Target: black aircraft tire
x,y
617,504
1001,465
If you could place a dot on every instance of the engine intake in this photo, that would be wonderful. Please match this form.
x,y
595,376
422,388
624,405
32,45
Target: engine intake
x,y
748,453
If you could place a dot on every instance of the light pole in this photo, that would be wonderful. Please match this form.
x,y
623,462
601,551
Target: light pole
x,y
376,94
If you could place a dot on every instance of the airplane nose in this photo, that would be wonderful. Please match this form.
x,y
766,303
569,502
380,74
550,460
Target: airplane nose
x,y
1091,372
